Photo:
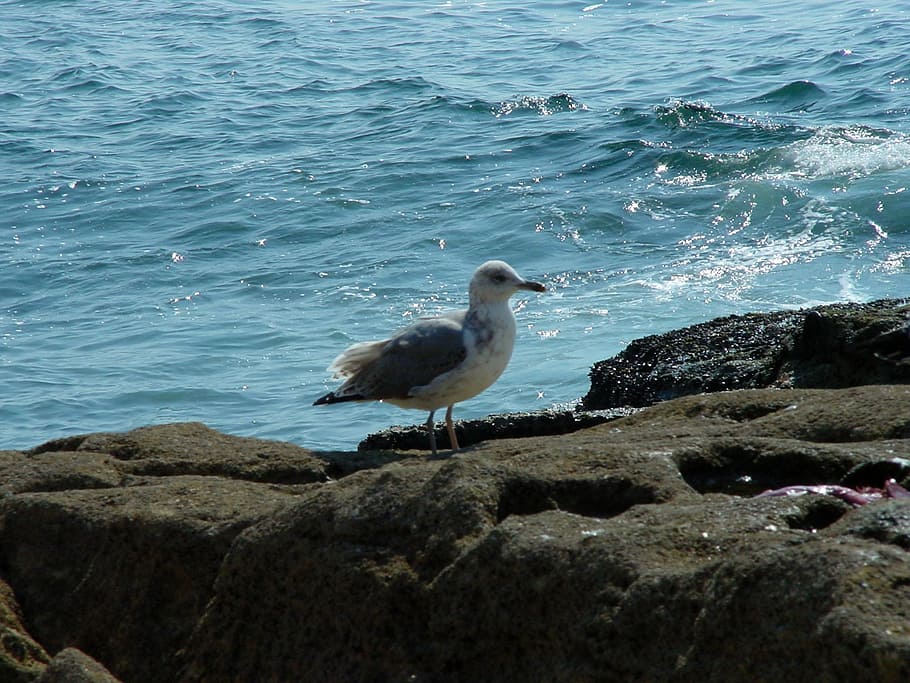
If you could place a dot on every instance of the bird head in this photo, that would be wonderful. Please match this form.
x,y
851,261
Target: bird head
x,y
497,281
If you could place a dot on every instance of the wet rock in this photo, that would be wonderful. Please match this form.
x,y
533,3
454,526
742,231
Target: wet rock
x,y
834,346
506,426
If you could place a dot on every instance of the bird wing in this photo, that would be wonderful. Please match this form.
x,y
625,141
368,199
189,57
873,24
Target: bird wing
x,y
412,358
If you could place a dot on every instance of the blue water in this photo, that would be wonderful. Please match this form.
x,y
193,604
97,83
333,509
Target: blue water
x,y
203,202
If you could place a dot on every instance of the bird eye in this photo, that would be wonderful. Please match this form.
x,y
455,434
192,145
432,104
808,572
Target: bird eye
x,y
499,278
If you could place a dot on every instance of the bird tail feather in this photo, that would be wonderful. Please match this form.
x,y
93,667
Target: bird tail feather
x,y
333,397
355,357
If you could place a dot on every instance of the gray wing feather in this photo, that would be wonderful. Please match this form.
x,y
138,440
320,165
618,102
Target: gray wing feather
x,y
412,358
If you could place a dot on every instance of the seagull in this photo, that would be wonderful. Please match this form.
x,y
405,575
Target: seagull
x,y
438,361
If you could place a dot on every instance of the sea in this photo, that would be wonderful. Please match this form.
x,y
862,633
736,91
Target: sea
x,y
202,202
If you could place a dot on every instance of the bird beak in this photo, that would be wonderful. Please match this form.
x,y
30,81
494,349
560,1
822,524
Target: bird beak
x,y
532,286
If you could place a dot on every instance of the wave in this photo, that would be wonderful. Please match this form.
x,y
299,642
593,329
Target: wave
x,y
851,152
543,106
678,113
718,143
172,102
394,85
792,97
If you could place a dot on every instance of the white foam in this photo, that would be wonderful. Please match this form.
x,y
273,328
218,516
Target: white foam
x,y
852,152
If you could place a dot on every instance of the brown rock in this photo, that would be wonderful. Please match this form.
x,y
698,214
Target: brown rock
x,y
344,575
115,539
615,553
586,557
193,448
723,590
24,472
125,573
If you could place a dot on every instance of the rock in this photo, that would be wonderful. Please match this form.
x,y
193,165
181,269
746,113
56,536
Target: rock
x,y
124,573
344,575
834,346
871,474
74,666
767,438
722,591
23,472
510,425
192,448
633,550
588,557
114,540
21,658
887,521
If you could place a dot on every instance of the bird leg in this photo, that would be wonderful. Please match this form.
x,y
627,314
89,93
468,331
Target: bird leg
x,y
452,438
431,430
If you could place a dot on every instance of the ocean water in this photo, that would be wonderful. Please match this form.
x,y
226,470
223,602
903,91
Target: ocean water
x,y
203,202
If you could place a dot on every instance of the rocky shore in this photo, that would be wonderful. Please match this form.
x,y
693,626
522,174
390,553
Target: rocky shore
x,y
626,545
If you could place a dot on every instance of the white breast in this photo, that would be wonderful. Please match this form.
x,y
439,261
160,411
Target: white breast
x,y
489,344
